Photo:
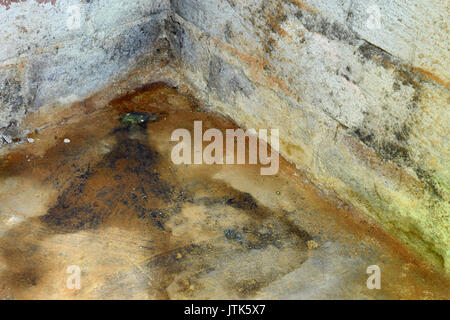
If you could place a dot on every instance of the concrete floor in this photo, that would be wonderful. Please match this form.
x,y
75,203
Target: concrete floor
x,y
139,227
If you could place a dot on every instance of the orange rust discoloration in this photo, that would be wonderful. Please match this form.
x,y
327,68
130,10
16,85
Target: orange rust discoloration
x,y
302,5
274,20
256,65
422,72
432,76
375,162
7,3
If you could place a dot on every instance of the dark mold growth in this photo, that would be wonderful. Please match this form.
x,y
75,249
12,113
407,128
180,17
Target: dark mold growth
x,y
228,32
183,45
393,145
232,234
243,201
11,88
368,51
402,134
332,30
387,150
75,209
137,118
429,182
390,151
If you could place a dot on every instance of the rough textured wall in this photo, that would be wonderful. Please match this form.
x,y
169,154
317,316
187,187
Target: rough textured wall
x,y
361,106
363,109
51,54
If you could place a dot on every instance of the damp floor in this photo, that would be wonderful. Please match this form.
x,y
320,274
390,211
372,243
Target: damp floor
x,y
111,202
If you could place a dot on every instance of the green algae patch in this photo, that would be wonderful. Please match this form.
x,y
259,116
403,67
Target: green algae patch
x,y
137,118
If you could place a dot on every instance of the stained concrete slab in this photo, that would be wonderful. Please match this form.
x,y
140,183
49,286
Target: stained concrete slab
x,y
139,227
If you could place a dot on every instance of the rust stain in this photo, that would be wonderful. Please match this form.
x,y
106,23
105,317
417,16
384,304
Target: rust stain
x,y
256,65
432,76
7,3
373,161
423,73
302,5
143,228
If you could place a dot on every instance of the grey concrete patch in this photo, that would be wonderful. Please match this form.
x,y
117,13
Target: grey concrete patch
x,y
12,104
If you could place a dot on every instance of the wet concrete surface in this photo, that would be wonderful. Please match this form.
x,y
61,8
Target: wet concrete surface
x,y
139,227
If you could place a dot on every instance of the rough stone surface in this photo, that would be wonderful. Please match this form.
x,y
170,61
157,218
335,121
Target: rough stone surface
x,y
12,102
46,60
363,110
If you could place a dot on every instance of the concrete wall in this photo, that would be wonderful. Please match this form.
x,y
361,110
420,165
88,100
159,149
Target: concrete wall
x,y
48,55
358,89
361,104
